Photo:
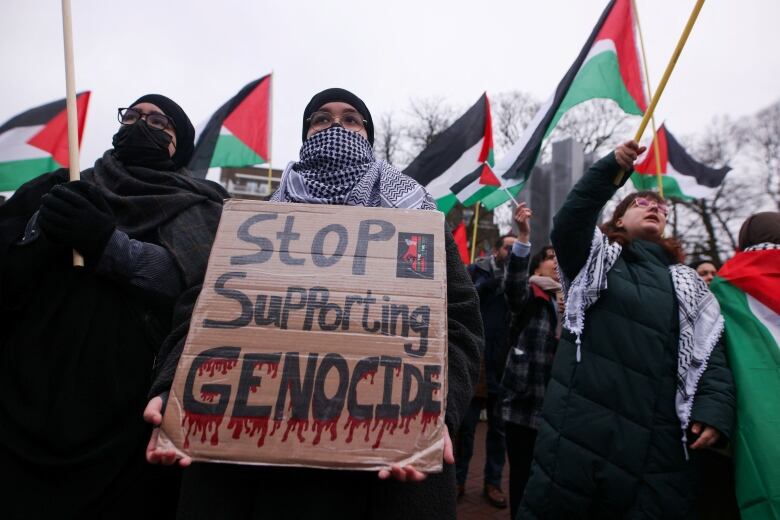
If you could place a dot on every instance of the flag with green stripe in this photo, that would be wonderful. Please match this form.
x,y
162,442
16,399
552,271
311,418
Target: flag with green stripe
x,y
459,153
36,141
238,134
606,67
681,175
748,290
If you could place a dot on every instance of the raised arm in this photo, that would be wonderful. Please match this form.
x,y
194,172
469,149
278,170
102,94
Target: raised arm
x,y
575,221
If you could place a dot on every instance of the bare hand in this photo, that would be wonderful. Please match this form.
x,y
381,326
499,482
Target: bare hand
x,y
522,218
626,154
708,436
154,454
409,474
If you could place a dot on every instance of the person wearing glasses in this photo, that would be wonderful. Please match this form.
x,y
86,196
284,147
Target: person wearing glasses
x,y
78,344
640,381
337,166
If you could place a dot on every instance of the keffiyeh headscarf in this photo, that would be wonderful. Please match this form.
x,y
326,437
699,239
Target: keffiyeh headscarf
x,y
337,166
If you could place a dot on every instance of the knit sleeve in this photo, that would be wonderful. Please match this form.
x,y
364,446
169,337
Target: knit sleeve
x,y
574,223
465,337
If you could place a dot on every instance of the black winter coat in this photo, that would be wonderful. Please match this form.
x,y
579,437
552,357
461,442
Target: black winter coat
x,y
609,443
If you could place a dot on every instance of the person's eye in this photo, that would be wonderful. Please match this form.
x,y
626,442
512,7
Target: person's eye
x,y
351,119
321,119
157,121
130,116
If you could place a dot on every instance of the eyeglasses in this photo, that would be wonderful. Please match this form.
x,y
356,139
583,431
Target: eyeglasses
x,y
130,116
642,202
351,121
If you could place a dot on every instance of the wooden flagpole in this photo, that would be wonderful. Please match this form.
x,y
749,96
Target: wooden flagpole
x,y
656,151
664,79
74,171
474,232
270,129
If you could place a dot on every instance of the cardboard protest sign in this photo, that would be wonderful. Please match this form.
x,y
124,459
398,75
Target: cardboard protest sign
x,y
319,340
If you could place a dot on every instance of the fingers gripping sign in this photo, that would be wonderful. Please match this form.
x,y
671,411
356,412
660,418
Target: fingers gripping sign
x,y
409,474
155,454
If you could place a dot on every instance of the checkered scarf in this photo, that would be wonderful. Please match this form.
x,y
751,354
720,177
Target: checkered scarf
x,y
701,324
337,166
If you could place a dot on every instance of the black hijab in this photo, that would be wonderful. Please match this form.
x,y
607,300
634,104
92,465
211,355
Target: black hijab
x,y
185,132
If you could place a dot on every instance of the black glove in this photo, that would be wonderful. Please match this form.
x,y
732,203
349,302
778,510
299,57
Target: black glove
x,y
76,214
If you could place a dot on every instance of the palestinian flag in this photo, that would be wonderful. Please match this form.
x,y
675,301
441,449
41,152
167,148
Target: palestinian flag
x,y
462,241
682,176
606,67
239,133
748,290
456,166
36,141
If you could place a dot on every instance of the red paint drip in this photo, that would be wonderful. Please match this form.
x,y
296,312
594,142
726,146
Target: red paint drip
x,y
272,368
398,372
250,426
215,365
200,423
429,418
353,423
277,425
370,373
300,425
331,425
385,425
208,396
406,421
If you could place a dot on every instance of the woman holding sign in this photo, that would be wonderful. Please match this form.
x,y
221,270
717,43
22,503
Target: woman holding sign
x,y
77,344
337,166
640,380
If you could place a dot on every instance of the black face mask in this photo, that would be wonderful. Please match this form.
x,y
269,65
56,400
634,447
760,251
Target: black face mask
x,y
140,145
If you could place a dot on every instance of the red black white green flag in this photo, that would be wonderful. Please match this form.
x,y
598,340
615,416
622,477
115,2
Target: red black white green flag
x,y
681,175
606,67
456,165
238,134
36,141
748,290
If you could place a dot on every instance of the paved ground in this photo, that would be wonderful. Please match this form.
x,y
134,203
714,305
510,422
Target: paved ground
x,y
473,506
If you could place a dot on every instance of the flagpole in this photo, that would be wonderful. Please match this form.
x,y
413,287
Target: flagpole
x,y
474,232
656,151
270,129
664,79
74,172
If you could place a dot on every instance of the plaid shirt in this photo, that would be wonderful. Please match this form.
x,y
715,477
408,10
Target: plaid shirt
x,y
530,359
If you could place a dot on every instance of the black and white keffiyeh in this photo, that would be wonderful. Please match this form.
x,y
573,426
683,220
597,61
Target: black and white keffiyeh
x,y
337,166
701,323
763,246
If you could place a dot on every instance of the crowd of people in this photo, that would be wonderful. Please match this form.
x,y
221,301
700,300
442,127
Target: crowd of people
x,y
599,358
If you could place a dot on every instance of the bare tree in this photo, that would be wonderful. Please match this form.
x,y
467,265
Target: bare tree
x,y
388,137
429,117
598,124
764,140
512,112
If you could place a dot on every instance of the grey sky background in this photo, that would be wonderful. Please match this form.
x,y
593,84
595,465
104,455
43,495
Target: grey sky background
x,y
200,53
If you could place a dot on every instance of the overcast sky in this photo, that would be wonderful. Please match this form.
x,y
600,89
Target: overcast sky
x,y
201,52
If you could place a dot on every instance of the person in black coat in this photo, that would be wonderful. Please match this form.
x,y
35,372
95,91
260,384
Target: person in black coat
x,y
336,167
77,344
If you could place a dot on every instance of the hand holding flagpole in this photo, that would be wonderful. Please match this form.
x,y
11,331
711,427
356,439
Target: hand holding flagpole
x,y
70,100
662,85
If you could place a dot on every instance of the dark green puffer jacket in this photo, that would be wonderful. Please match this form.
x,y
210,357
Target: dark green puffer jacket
x,y
610,443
